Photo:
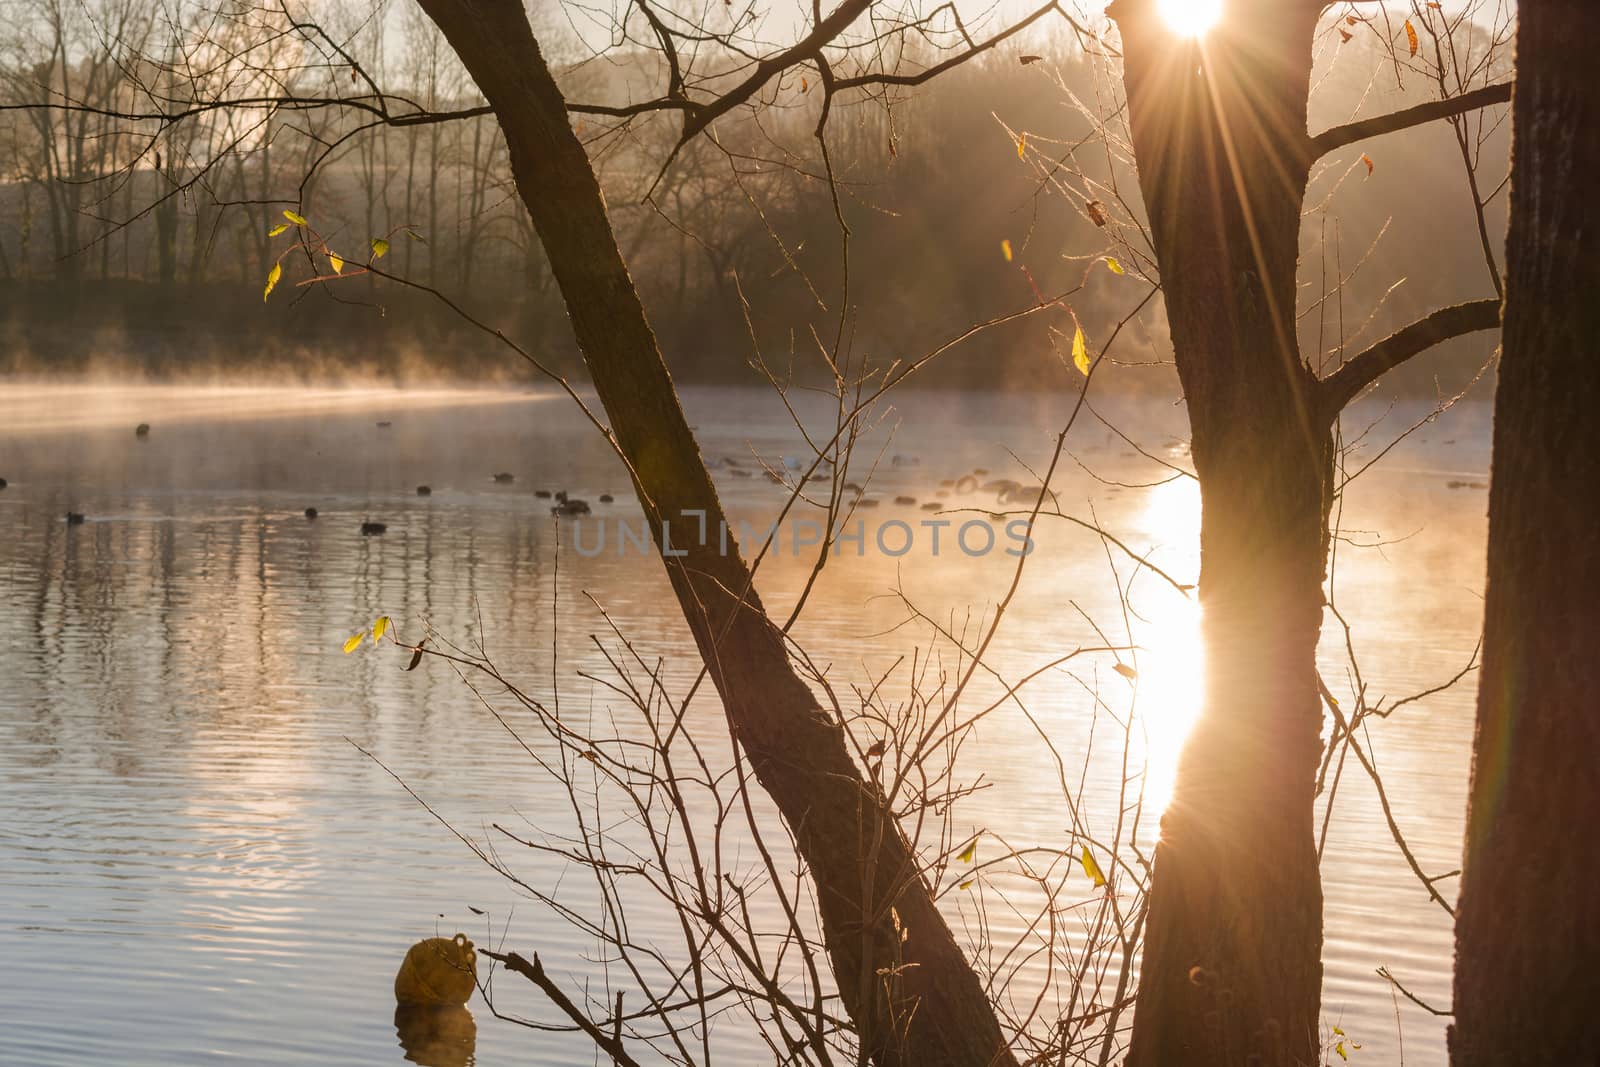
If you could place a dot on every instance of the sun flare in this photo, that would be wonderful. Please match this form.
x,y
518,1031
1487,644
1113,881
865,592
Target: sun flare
x,y
1191,18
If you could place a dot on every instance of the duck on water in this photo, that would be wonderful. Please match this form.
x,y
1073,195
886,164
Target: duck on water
x,y
568,507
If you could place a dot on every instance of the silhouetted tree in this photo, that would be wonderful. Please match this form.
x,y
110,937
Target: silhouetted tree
x,y
1232,969
1528,923
914,1000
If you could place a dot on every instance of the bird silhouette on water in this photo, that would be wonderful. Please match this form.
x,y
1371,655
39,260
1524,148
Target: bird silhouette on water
x,y
569,507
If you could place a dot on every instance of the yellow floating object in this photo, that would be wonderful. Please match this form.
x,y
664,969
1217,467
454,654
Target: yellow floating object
x,y
440,970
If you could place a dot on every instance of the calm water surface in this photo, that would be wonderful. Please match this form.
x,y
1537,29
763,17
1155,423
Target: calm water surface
x,y
196,864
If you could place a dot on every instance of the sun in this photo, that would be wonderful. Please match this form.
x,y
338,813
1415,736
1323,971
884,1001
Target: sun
x,y
1191,18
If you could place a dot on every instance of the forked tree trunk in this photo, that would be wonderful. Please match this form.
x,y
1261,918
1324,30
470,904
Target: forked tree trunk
x,y
916,1001
1528,925
1232,971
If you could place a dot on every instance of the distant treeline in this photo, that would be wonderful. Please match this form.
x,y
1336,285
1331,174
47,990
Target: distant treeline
x,y
150,255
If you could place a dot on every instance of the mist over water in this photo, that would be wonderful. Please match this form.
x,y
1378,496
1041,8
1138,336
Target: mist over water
x,y
195,862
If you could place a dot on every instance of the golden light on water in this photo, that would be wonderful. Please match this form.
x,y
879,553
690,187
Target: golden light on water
x,y
1191,18
1170,688
1172,663
64,408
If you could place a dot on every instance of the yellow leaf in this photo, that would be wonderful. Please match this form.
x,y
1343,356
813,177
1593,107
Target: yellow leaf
x,y
298,220
279,228
337,262
1116,268
380,627
1339,1048
1338,1031
272,280
1125,670
354,642
379,247
1005,250
1092,869
969,852
1411,36
1080,351
1022,146
966,885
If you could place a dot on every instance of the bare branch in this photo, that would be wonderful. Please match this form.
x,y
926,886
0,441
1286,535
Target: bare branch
x,y
894,78
1387,976
806,48
1339,136
534,972
1343,385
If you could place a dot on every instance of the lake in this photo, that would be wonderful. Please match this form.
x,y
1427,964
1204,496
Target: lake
x,y
198,864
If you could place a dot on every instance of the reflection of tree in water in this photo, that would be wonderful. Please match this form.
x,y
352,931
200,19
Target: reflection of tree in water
x,y
444,1036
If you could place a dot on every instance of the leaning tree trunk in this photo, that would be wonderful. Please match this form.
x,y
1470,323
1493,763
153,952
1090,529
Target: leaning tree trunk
x,y
1232,968
916,1001
1528,924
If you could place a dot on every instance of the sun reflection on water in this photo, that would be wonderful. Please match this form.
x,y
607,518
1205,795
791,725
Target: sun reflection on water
x,y
1171,657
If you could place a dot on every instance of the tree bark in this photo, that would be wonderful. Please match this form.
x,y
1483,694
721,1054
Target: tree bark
x,y
916,1001
1528,923
1232,971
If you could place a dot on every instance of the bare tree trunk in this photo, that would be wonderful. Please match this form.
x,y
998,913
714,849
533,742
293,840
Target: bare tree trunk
x,y
166,219
1232,965
915,1001
200,246
1528,925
